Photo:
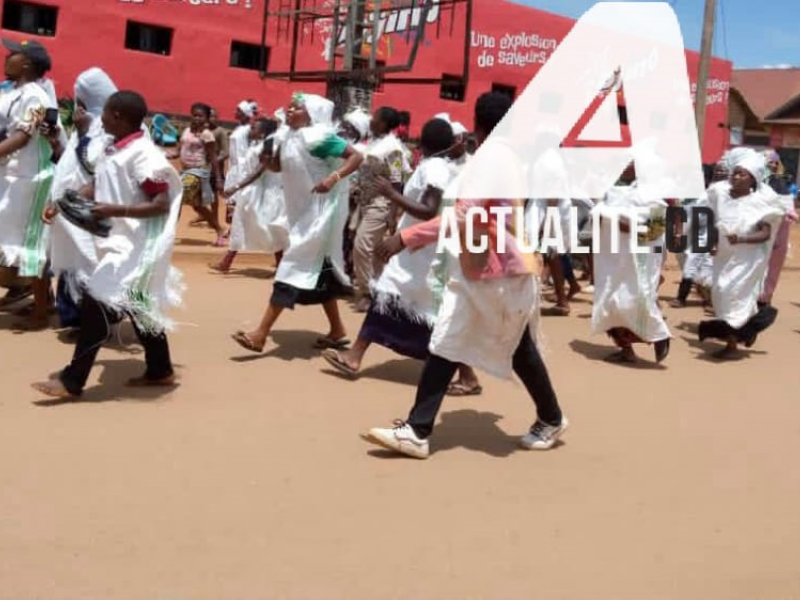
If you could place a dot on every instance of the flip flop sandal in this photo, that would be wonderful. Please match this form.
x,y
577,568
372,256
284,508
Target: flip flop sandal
x,y
333,359
14,298
241,338
324,343
460,390
216,268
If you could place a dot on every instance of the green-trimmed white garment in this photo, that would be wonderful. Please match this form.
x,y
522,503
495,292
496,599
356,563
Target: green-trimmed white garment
x,y
25,180
134,272
316,221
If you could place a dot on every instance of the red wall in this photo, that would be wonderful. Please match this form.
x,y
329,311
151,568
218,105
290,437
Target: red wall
x,y
92,33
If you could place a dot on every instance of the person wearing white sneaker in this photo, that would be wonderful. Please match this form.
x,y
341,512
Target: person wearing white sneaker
x,y
488,310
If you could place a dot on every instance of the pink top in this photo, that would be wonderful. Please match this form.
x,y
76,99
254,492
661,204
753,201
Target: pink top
x,y
489,265
193,148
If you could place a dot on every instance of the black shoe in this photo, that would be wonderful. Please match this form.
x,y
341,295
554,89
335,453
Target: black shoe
x,y
662,350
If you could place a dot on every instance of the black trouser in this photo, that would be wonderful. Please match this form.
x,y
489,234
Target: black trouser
x,y
438,372
96,321
758,323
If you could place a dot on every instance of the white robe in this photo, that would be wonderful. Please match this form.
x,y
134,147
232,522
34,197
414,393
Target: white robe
x,y
237,157
697,266
739,270
259,221
25,180
316,221
626,284
134,272
409,281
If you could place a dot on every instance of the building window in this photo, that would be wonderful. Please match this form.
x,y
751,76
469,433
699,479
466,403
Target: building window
x,y
508,90
452,88
248,56
148,38
29,18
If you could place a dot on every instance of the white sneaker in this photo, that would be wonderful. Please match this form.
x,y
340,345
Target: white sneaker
x,y
400,438
543,436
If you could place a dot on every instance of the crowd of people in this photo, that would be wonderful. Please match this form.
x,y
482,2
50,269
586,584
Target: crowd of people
x,y
349,210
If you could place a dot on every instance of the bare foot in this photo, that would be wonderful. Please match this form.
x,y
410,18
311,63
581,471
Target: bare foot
x,y
53,388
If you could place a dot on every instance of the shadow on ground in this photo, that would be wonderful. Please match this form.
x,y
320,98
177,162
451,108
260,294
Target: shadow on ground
x,y
112,386
600,353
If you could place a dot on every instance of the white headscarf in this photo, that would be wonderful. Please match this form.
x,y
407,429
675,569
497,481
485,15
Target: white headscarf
x,y
360,119
248,108
754,163
280,116
319,109
93,88
458,128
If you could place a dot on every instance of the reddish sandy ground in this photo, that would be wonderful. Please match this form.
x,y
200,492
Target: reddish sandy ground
x,y
250,480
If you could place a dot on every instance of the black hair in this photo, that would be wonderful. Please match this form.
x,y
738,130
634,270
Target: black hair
x,y
40,66
437,136
131,106
490,109
405,117
389,116
201,106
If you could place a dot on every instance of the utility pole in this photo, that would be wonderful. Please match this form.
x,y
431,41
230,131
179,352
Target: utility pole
x,y
706,47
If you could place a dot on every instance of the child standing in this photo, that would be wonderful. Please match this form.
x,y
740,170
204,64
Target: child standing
x,y
137,189
198,156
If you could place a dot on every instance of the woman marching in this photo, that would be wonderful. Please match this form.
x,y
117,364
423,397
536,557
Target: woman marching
x,y
626,282
259,221
238,143
747,214
313,161
404,302
26,174
72,249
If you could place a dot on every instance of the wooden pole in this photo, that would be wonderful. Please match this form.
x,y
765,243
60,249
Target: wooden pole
x,y
706,47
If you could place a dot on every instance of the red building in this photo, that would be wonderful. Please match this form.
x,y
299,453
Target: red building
x,y
180,51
